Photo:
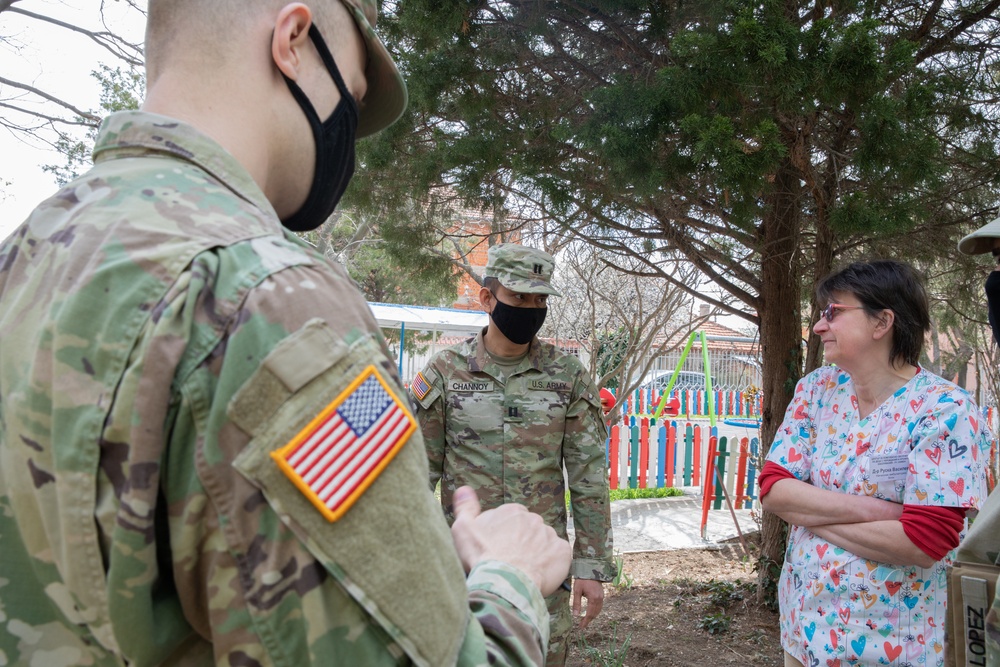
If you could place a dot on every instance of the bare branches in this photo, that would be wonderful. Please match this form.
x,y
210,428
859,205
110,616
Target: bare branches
x,y
121,49
43,107
622,319
89,118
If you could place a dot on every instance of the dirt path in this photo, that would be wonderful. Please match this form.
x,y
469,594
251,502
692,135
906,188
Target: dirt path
x,y
682,608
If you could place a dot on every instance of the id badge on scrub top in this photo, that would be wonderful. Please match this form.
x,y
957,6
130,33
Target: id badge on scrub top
x,y
890,468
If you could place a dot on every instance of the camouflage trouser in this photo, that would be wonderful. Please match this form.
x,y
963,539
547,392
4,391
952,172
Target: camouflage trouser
x,y
993,632
560,624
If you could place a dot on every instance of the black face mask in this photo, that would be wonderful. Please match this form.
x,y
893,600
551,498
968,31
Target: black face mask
x,y
334,140
993,284
992,301
519,325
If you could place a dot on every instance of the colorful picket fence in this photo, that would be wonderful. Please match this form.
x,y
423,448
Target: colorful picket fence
x,y
694,403
643,454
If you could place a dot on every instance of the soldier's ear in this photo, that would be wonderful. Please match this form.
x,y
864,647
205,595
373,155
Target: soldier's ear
x,y
290,37
486,299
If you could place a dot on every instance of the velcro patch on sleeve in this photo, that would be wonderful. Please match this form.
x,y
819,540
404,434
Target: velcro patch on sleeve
x,y
420,386
347,445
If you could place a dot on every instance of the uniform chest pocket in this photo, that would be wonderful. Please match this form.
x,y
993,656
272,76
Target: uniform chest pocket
x,y
473,410
533,408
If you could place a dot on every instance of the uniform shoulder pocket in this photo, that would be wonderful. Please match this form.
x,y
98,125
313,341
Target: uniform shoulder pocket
x,y
337,455
426,388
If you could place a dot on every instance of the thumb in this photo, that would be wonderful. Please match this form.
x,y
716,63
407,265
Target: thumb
x,y
466,503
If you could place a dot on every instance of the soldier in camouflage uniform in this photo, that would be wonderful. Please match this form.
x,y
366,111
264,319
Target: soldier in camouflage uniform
x,y
206,456
503,412
982,543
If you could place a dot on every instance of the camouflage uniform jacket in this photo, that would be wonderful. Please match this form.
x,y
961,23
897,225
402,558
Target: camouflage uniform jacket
x,y
508,437
981,545
160,337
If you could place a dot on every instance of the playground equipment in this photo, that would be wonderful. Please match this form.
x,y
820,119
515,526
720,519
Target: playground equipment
x,y
712,472
745,423
662,403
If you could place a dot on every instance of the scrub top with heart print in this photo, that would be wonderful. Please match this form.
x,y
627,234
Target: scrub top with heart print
x,y
925,445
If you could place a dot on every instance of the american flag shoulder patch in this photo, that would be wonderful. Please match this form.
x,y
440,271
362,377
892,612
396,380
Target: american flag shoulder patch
x,y
347,445
420,386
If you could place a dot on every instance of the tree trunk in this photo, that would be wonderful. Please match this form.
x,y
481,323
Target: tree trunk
x,y
823,262
781,337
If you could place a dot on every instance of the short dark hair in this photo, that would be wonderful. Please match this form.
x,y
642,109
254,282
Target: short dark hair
x,y
491,283
886,284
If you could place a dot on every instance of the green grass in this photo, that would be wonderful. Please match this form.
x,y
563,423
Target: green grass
x,y
635,494
612,654
622,580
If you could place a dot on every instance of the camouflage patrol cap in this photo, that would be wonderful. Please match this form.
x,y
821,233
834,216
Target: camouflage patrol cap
x,y
386,97
984,239
521,269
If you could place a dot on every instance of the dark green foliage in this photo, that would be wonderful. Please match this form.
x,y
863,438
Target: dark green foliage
x,y
715,624
722,595
682,114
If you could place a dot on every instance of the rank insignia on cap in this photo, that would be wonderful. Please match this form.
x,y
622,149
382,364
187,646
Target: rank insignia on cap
x,y
347,445
420,386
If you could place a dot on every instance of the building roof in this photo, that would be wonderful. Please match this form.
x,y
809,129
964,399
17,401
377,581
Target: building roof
x,y
719,337
448,321
715,329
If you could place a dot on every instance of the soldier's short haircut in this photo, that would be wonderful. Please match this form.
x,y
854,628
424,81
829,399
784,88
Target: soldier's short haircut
x,y
205,28
491,283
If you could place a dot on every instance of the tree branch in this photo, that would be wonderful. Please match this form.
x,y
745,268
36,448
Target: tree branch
x,y
86,115
106,40
48,119
937,45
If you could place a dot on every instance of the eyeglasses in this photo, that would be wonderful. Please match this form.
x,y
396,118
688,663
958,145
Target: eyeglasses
x,y
832,309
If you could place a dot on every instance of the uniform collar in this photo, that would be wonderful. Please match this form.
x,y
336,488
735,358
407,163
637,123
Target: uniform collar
x,y
479,360
141,134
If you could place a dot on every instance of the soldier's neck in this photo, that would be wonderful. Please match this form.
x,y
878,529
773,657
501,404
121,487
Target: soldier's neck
x,y
499,345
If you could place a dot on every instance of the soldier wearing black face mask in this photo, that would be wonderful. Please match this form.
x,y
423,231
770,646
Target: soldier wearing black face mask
x,y
993,295
503,412
984,240
334,139
982,543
